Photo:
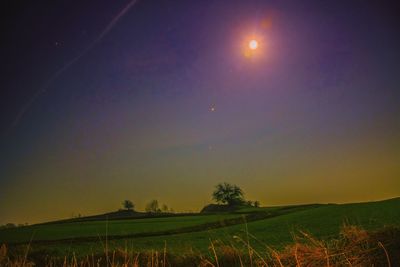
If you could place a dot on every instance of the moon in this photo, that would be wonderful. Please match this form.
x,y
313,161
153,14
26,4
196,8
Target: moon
x,y
253,44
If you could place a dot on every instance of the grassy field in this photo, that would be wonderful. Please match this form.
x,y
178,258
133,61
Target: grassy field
x,y
272,226
124,227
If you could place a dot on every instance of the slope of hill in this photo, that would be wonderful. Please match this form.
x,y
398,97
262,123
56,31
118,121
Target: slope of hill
x,y
272,226
323,221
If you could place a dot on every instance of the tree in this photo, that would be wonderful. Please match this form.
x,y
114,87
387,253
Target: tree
x,y
128,204
256,203
152,207
228,194
164,208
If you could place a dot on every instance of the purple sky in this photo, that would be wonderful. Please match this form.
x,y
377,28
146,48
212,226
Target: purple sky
x,y
313,116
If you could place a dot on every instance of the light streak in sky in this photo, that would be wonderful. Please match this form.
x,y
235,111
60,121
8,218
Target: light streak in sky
x,y
59,72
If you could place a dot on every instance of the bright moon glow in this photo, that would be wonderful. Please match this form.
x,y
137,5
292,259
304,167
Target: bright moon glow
x,y
253,44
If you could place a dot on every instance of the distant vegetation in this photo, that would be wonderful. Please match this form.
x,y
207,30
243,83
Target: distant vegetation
x,y
226,193
229,197
154,207
128,205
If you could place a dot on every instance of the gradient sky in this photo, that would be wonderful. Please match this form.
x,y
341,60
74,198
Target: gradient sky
x,y
312,116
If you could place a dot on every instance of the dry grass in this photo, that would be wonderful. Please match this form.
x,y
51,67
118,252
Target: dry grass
x,y
353,247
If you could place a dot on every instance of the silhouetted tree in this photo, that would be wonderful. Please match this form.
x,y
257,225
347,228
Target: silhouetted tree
x,y
152,207
228,194
164,208
256,203
127,204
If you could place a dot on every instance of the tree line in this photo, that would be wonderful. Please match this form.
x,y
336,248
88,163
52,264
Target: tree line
x,y
224,193
152,207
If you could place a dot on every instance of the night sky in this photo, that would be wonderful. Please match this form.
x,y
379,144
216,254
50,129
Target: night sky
x,y
170,101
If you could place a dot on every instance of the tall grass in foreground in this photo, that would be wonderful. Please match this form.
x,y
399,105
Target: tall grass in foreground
x,y
354,247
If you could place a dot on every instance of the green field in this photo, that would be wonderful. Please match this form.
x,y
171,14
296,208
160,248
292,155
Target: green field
x,y
272,226
73,230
